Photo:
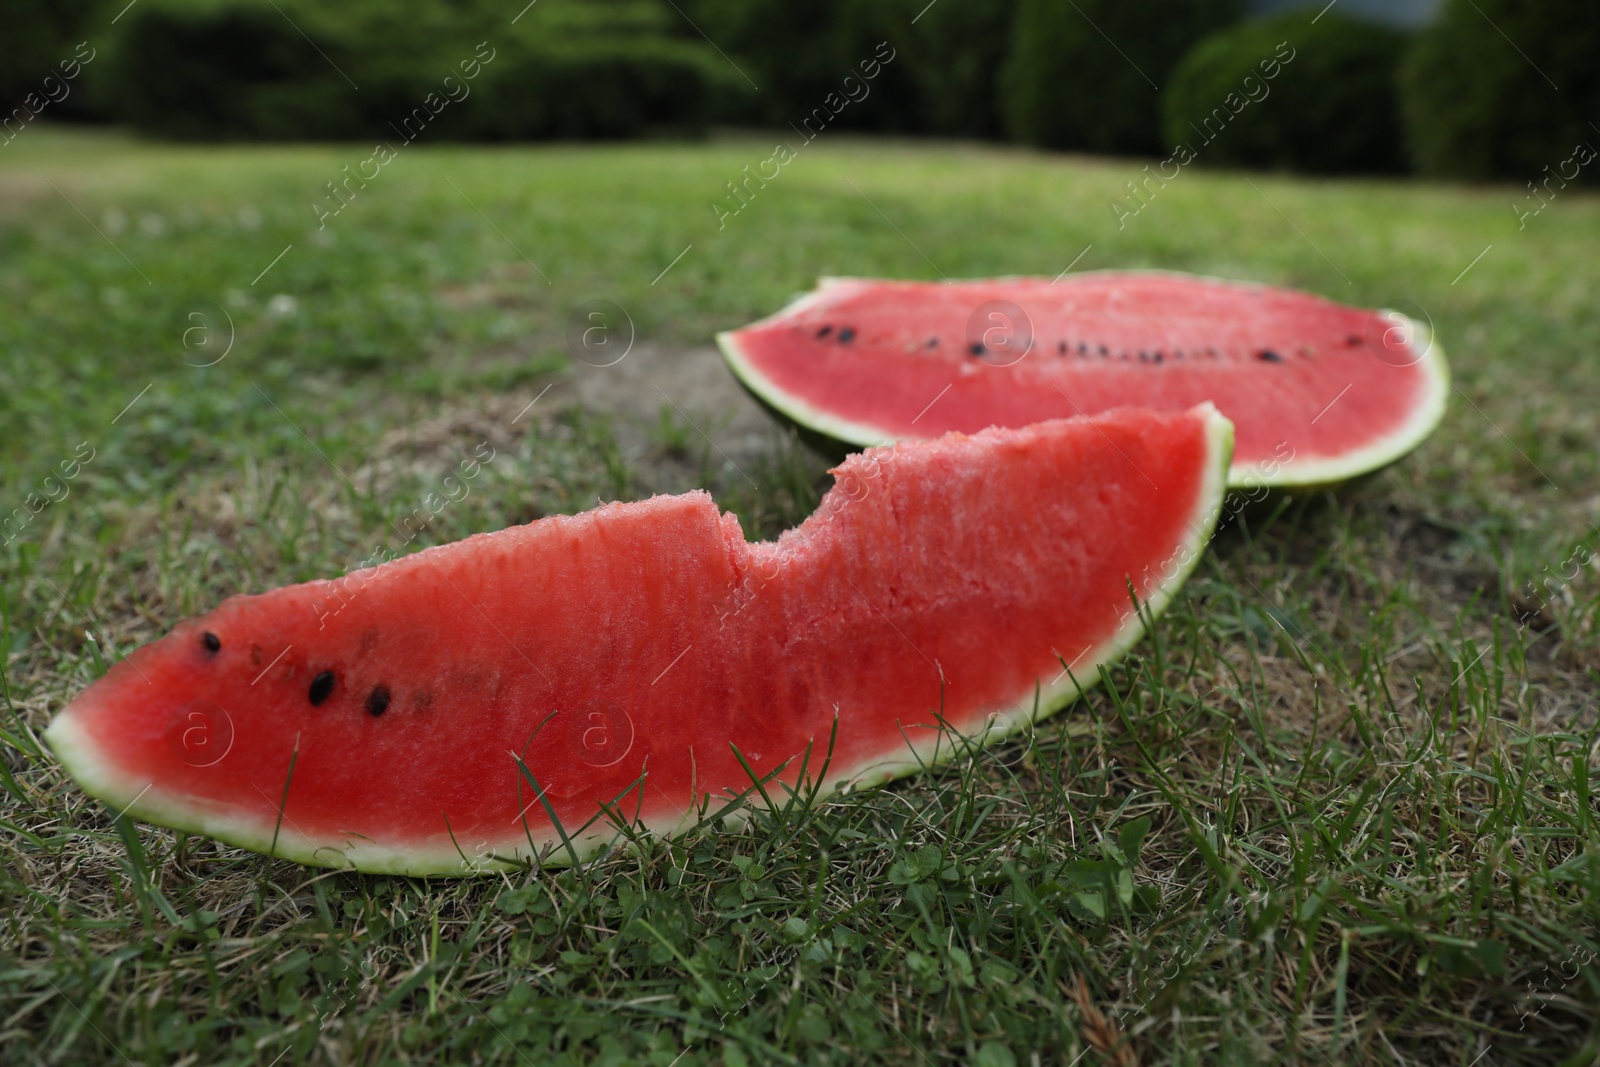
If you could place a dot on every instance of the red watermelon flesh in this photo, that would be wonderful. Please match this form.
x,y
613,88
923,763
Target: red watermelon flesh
x,y
378,720
1317,392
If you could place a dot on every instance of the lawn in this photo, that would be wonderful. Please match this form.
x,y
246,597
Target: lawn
x,y
1343,792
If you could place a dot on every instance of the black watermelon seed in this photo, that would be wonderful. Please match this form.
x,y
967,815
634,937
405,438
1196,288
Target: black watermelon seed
x,y
977,348
1062,348
1267,355
847,335
378,701
1083,349
933,342
321,687
825,331
212,642
1104,351
1353,340
1156,357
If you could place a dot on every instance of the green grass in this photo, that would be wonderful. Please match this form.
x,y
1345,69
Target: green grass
x,y
1338,809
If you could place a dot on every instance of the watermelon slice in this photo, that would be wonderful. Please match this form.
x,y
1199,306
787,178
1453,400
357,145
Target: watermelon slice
x,y
640,655
1317,392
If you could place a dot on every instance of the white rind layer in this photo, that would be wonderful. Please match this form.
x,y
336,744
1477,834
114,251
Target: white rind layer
x,y
147,801
1298,473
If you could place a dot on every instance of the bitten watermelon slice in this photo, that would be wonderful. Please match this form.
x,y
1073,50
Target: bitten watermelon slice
x,y
1317,392
396,719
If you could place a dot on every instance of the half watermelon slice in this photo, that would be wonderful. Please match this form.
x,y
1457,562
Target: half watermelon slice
x,y
1318,392
484,702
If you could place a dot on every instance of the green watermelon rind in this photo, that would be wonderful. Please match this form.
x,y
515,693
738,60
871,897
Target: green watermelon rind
x,y
1308,473
100,778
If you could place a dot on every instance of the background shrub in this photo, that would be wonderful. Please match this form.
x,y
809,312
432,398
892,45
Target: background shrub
x,y
957,54
788,50
199,74
1060,74
1476,107
1332,108
241,69
943,77
35,36
599,88
799,51
1066,85
300,70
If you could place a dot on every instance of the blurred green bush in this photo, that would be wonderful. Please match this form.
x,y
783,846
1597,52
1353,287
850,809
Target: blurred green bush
x,y
204,69
603,88
798,52
1504,88
300,70
1475,96
193,69
1089,74
577,69
1297,92
957,54
943,77
36,38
